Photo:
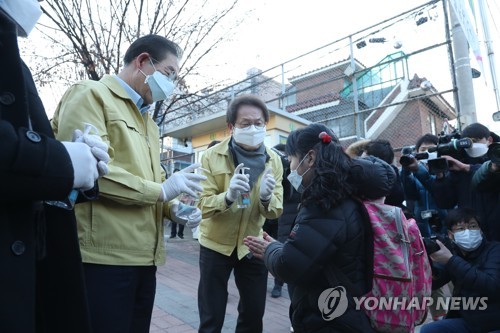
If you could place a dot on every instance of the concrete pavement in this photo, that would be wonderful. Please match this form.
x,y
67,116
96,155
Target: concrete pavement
x,y
176,306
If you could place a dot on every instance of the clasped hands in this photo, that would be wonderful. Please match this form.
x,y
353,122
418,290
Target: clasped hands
x,y
258,245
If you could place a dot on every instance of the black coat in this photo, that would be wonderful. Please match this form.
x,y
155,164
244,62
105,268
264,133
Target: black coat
x,y
477,275
456,189
320,240
41,280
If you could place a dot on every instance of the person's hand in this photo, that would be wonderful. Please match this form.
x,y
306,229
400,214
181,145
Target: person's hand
x,y
494,167
239,183
443,255
98,147
258,245
194,219
456,165
267,184
84,165
184,181
413,166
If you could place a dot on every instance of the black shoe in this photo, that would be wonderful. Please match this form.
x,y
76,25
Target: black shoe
x,y
172,236
276,292
181,236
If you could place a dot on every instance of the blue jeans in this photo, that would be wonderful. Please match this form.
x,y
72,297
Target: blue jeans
x,y
455,325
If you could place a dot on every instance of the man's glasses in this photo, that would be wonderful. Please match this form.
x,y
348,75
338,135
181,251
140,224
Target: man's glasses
x,y
461,227
168,71
246,125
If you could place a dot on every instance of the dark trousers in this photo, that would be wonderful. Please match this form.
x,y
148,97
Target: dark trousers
x,y
173,230
251,280
120,298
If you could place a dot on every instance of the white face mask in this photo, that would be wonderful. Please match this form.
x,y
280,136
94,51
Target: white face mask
x,y
477,150
24,12
468,240
161,85
431,157
249,136
295,179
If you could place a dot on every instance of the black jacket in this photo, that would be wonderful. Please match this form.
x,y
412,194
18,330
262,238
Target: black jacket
x,y
41,281
456,189
319,240
476,275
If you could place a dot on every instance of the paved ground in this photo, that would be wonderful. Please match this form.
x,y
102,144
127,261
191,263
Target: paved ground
x,y
176,309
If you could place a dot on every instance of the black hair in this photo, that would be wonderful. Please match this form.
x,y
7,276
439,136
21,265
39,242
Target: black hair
x,y
458,215
252,100
157,47
330,183
381,149
280,147
476,131
426,138
213,143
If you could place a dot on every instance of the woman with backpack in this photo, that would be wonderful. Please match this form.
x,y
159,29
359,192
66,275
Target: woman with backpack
x,y
330,240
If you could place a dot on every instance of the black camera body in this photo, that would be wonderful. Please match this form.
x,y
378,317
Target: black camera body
x,y
432,246
451,145
494,152
405,160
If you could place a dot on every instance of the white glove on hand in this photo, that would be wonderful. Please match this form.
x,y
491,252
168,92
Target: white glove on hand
x,y
194,219
98,147
84,165
267,184
183,181
239,183
191,221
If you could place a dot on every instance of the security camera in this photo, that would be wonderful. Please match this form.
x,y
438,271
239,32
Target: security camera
x,y
426,85
496,116
397,44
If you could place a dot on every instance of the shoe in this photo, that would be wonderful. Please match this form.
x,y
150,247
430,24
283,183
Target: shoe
x,y
181,236
172,237
276,292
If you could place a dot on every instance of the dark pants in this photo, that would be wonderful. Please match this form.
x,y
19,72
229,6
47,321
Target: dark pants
x,y
173,230
251,280
120,298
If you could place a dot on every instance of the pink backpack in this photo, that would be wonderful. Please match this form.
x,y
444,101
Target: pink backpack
x,y
401,271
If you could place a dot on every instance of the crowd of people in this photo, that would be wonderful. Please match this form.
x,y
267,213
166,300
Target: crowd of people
x,y
93,268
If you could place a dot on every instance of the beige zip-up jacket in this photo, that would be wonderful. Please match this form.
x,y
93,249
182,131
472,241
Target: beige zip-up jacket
x,y
125,225
224,228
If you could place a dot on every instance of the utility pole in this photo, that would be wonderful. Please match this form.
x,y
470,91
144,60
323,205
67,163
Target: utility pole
x,y
489,49
463,71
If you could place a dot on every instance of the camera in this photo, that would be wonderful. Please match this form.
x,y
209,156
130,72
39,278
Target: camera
x,y
405,160
432,246
451,145
494,152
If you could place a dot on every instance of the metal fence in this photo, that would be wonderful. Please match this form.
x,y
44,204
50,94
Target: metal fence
x,y
391,81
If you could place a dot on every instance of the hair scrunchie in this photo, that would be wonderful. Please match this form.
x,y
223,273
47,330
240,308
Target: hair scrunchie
x,y
325,138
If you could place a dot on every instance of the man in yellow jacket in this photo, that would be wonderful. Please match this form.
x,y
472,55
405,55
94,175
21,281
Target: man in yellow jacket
x,y
235,205
121,233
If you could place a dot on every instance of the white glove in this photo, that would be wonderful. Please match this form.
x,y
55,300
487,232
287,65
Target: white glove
x,y
239,183
98,147
194,219
267,184
183,181
84,165
185,215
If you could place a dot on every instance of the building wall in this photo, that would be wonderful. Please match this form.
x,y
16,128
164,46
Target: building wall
x,y
320,84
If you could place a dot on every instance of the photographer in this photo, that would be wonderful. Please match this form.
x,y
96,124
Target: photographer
x,y
486,180
474,269
417,186
454,188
